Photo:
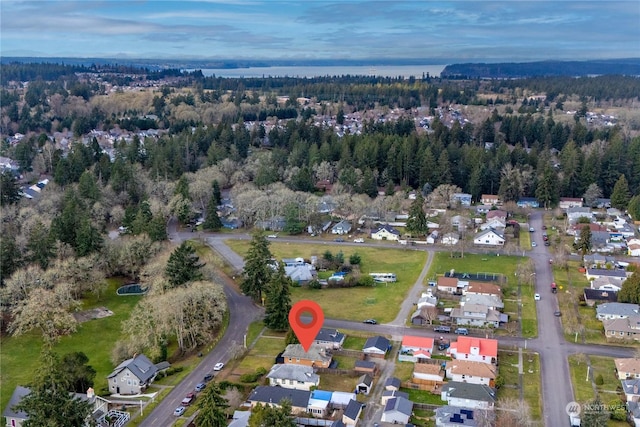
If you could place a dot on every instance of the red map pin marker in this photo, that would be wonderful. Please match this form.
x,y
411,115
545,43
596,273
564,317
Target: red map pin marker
x,y
306,332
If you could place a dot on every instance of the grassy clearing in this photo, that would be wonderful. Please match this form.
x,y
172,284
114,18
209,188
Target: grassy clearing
x,y
508,369
354,343
262,355
423,396
19,355
525,241
345,362
337,382
532,384
254,330
403,371
474,263
604,366
582,389
382,301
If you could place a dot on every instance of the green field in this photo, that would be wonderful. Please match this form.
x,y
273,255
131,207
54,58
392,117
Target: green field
x,y
475,263
381,302
95,338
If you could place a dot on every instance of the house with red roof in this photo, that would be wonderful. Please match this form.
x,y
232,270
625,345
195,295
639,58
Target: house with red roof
x,y
415,349
474,349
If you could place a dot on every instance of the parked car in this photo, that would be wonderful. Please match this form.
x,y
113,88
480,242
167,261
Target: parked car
x,y
218,366
557,313
179,411
531,229
442,328
189,398
339,239
358,240
272,236
462,331
547,243
536,297
534,244
371,322
200,386
207,378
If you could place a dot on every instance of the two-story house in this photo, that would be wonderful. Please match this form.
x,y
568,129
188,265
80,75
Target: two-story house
x,y
468,395
475,349
477,315
316,357
616,310
415,349
132,376
467,371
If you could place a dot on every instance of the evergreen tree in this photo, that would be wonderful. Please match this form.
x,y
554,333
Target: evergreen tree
x,y
88,238
634,208
76,371
182,188
584,242
216,195
620,196
9,190
50,402
547,189
212,408
272,416
257,270
88,186
596,417
417,222
630,291
9,258
40,245
212,220
183,265
278,301
292,222
157,228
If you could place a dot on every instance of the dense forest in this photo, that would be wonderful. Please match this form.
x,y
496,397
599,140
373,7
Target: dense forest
x,y
272,142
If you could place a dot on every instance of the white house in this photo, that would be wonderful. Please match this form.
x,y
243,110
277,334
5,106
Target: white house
x,y
468,395
466,371
477,315
633,247
296,377
132,376
414,349
490,237
433,237
385,232
376,346
343,227
450,239
616,310
397,411
497,223
475,349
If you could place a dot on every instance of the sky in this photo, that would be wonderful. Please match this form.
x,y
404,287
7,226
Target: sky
x,y
465,31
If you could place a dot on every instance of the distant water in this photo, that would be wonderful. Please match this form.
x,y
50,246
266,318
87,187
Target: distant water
x,y
320,71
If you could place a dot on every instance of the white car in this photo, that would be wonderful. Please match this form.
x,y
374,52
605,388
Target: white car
x,y
218,366
358,240
536,297
272,236
534,244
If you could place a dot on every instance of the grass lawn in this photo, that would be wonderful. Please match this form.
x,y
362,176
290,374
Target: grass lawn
x,y
19,355
604,366
337,382
474,263
254,330
381,302
403,371
345,362
508,368
525,240
354,343
582,389
423,396
532,384
263,355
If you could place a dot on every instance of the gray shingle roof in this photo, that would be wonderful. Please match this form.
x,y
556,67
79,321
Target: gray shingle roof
x,y
400,404
16,397
293,372
617,309
395,393
365,379
140,366
353,409
365,364
330,335
316,352
265,394
392,382
478,392
381,343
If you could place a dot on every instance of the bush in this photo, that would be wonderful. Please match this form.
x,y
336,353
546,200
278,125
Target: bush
x,y
314,284
599,380
253,377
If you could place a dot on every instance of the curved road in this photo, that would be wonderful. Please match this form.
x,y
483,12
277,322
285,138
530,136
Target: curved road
x,y
550,343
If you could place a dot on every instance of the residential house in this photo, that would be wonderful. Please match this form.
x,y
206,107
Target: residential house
x,y
459,222
476,349
613,284
489,237
385,232
483,288
432,238
477,315
240,419
296,377
490,199
449,285
99,408
430,374
634,412
467,371
593,273
330,338
633,247
496,223
423,315
468,395
276,223
352,413
132,376
450,239
300,273
622,329
599,261
392,383
570,202
390,394
272,396
575,229
415,349
364,384
627,368
326,204
491,301
631,389
497,214
397,411
427,299
528,202
597,296
574,214
463,199
316,357
343,227
483,209
376,347
616,310
455,416
341,399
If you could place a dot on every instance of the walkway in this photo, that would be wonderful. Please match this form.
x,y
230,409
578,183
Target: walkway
x,y
408,305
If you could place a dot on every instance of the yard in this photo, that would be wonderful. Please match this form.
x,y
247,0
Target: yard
x,y
508,370
19,355
474,263
262,355
381,302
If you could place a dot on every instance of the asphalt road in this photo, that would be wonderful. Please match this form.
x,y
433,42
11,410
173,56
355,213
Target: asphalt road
x,y
550,343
